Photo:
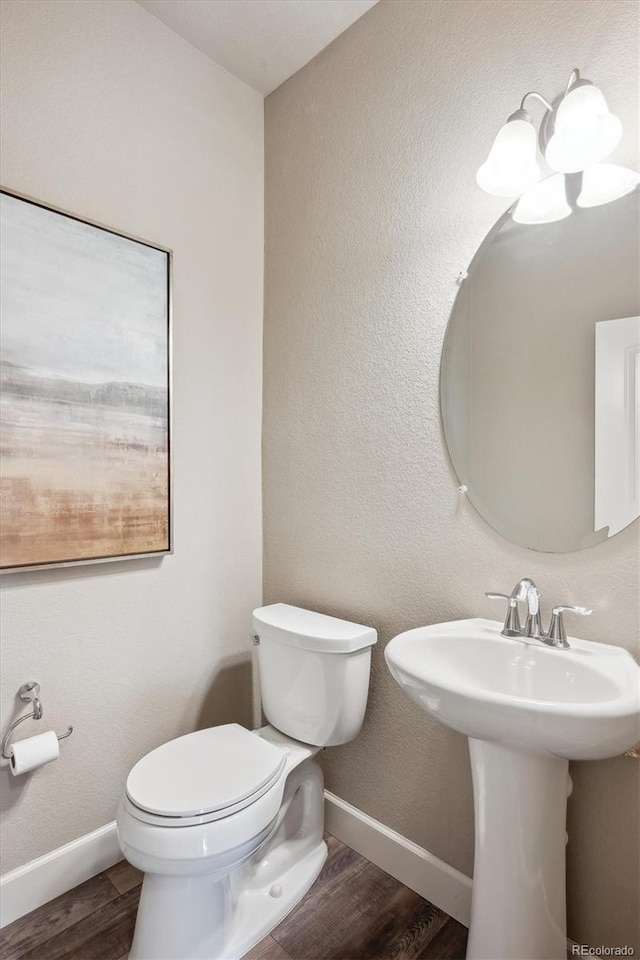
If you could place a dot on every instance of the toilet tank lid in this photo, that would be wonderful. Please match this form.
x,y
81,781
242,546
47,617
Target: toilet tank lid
x,y
311,631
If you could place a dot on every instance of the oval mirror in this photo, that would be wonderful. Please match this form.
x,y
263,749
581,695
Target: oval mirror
x,y
540,377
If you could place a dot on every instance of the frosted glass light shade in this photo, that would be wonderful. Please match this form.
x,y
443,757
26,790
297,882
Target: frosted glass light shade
x,y
544,202
585,132
605,182
511,165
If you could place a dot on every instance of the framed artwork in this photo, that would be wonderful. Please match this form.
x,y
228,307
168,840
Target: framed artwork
x,y
85,399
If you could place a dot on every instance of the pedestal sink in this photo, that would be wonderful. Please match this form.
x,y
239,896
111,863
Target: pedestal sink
x,y
527,709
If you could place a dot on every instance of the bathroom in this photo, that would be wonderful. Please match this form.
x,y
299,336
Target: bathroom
x,y
322,212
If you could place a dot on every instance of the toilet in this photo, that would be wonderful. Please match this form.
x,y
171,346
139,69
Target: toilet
x,y
227,823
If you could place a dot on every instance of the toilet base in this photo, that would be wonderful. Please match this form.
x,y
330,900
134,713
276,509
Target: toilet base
x,y
196,922
221,917
258,911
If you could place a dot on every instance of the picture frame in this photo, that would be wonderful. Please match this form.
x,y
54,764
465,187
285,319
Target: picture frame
x,y
86,391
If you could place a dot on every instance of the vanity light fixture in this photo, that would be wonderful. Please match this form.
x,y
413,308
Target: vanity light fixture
x,y
577,131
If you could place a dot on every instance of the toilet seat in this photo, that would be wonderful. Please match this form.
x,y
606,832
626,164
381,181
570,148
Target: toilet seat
x,y
203,776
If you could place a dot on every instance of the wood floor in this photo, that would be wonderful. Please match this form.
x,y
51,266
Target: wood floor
x,y
354,911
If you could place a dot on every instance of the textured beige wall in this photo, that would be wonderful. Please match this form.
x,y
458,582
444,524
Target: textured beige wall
x,y
372,212
109,114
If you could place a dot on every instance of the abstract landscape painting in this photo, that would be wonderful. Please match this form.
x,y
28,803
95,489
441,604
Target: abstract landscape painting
x,y
84,402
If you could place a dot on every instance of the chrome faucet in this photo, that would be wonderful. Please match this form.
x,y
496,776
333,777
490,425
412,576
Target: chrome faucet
x,y
525,590
512,627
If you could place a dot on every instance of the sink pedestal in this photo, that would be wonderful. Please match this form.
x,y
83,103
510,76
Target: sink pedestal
x,y
518,908
522,704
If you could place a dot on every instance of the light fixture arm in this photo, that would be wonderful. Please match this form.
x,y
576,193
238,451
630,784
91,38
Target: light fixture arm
x,y
538,96
574,76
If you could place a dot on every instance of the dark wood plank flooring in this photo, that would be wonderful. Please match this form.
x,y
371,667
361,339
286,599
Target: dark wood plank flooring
x,y
354,911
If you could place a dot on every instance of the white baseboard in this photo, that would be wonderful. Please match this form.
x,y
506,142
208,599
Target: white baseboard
x,y
412,865
44,879
39,881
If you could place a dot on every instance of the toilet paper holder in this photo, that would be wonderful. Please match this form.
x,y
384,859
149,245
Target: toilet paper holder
x,y
29,693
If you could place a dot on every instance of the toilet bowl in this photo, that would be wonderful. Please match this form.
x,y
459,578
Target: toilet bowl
x,y
227,823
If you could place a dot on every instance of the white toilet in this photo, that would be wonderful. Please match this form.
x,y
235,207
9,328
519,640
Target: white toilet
x,y
227,823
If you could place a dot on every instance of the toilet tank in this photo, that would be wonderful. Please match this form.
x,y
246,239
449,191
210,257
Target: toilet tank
x,y
314,673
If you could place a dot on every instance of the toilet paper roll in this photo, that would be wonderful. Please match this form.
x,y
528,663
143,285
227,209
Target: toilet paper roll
x,y
33,752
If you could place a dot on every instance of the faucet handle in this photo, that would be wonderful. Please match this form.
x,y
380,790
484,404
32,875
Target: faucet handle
x,y
511,626
533,624
557,633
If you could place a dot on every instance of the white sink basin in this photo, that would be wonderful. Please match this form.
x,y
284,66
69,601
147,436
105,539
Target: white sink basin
x,y
578,704
527,709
